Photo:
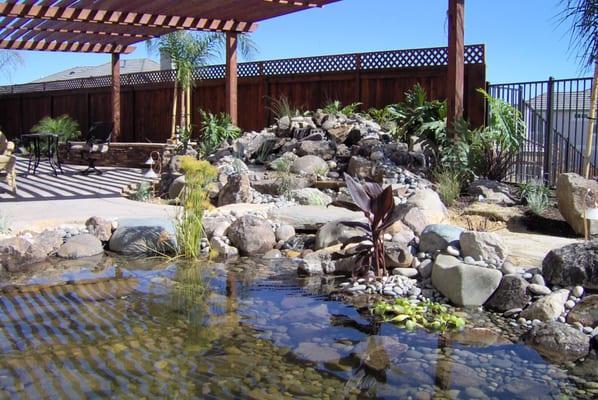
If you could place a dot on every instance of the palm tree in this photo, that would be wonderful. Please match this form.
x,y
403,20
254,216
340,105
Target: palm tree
x,y
189,51
582,16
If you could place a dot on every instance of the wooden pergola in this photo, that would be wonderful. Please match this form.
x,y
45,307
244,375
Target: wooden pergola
x,y
114,26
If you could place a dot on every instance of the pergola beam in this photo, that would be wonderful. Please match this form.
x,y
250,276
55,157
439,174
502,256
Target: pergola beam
x,y
101,16
80,31
456,62
294,3
75,47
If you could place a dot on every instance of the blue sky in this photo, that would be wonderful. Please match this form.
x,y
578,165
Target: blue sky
x,y
522,37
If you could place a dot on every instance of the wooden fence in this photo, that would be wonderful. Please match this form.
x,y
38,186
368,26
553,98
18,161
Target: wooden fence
x,y
374,79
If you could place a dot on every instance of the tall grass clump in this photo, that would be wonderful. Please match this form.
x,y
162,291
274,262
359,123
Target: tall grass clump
x,y
194,201
448,183
536,195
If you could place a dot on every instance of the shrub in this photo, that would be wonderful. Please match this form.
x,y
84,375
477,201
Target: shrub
x,y
448,183
387,118
411,315
194,200
64,126
536,194
216,129
336,107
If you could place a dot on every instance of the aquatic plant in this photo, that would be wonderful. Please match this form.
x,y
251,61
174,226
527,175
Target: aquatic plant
x,y
412,315
377,205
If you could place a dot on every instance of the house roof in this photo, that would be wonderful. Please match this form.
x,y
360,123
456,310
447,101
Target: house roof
x,y
112,26
576,100
126,67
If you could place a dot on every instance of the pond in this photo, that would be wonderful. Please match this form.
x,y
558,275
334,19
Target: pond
x,y
244,330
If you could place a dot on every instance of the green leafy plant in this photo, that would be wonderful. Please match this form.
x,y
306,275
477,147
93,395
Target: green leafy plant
x,y
448,183
216,129
322,170
64,126
336,107
194,200
387,117
536,195
143,192
420,117
377,205
412,315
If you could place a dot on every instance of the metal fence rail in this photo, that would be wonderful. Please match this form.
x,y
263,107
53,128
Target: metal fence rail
x,y
556,113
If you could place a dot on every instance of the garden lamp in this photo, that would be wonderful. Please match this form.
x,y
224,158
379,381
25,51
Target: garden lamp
x,y
151,174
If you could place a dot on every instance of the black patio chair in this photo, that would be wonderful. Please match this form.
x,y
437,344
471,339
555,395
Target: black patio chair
x,y
96,145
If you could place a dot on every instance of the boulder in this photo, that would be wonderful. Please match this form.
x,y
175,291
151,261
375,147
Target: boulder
x,y
558,342
320,262
278,186
344,133
47,243
99,227
251,235
311,218
81,246
492,191
398,256
224,250
284,233
236,190
323,149
511,293
482,245
400,233
548,308
361,167
309,165
176,187
310,197
334,233
216,225
585,312
18,253
438,237
422,209
571,190
572,265
138,236
463,284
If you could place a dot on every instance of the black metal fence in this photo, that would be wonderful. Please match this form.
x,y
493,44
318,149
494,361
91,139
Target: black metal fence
x,y
556,113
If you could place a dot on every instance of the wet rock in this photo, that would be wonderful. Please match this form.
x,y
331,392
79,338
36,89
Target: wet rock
x,y
571,190
376,352
463,284
223,249
334,233
18,253
482,245
236,190
272,254
251,235
548,308
216,225
585,312
284,233
558,342
439,237
479,337
317,353
309,165
99,227
492,191
81,246
510,294
144,236
575,264
310,197
311,218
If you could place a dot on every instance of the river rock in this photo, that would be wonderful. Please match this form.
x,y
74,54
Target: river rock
x,y
558,342
284,233
492,191
99,227
571,190
312,218
585,312
251,235
439,237
81,246
317,353
216,225
224,250
482,245
572,265
464,284
137,236
335,233
309,165
310,197
375,352
548,308
322,149
236,190
398,256
511,293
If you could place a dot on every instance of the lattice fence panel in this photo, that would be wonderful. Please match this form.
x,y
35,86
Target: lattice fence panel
x,y
250,69
339,63
210,72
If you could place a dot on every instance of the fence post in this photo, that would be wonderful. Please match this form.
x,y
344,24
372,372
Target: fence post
x,y
548,134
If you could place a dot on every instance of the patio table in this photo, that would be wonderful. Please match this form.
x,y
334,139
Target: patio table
x,y
51,150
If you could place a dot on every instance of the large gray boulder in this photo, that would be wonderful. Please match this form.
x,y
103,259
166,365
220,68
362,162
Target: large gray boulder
x,y
81,246
558,342
548,308
438,237
138,236
309,165
335,233
482,245
585,312
492,191
464,284
251,235
571,190
511,293
236,190
311,218
422,209
572,265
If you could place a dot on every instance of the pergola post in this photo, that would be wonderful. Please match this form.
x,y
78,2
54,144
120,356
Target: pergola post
x,y
231,76
115,89
456,62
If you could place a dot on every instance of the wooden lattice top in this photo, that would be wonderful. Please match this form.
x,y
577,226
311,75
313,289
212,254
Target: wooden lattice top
x,y
112,26
432,57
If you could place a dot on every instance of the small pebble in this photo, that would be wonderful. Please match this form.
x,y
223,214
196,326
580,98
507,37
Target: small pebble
x,y
508,268
512,312
569,304
577,291
469,260
561,319
453,251
538,280
527,276
539,289
588,330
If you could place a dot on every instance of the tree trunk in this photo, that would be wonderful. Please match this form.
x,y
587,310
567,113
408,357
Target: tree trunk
x,y
591,123
183,108
174,109
189,109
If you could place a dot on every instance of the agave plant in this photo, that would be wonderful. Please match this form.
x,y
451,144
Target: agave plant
x,y
377,205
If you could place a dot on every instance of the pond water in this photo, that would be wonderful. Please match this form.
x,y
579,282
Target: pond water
x,y
245,330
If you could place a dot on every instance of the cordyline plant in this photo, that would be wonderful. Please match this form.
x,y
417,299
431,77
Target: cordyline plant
x,y
377,204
